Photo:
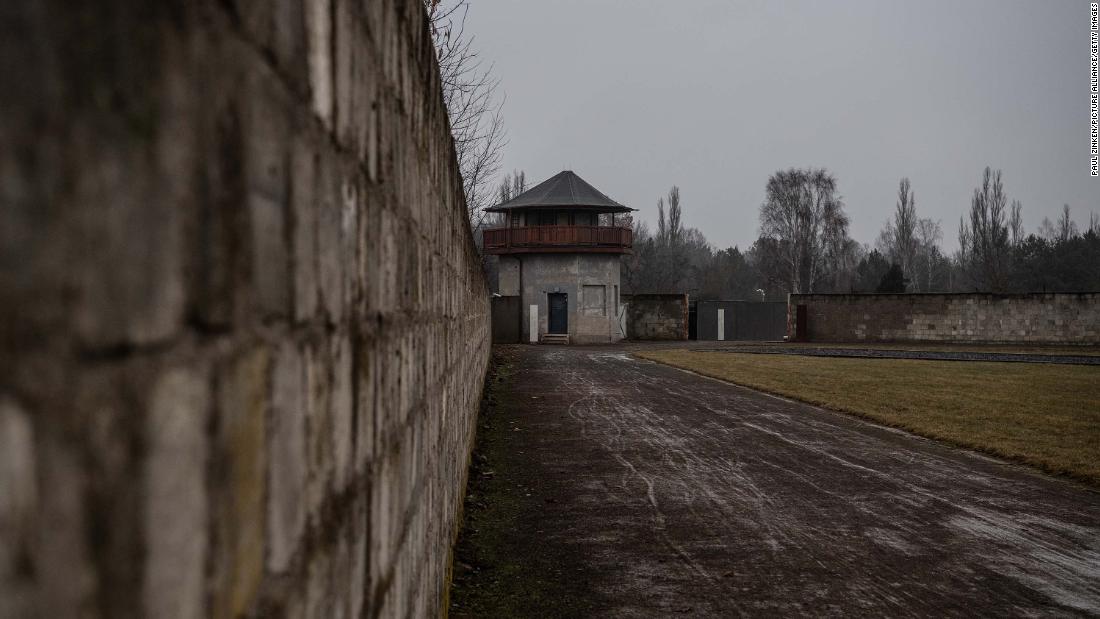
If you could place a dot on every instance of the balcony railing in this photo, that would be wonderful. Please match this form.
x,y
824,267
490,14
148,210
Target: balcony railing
x,y
531,239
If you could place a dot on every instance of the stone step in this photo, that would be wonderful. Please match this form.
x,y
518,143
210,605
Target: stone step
x,y
554,338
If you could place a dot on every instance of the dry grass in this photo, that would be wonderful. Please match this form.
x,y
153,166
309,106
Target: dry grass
x,y
1047,416
1016,349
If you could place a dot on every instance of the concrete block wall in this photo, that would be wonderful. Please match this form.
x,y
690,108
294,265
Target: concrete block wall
x,y
243,325
656,316
1041,318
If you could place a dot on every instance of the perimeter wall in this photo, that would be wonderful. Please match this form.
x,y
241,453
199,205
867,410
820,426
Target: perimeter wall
x,y
1054,318
656,316
243,326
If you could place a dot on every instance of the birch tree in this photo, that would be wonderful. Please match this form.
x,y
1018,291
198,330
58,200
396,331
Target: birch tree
x,y
928,237
804,214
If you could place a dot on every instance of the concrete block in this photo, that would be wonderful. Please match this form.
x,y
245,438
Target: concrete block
x,y
358,571
329,226
66,576
303,188
366,408
351,245
288,41
240,514
18,508
126,249
385,519
319,426
320,603
270,260
288,471
341,584
352,72
175,515
343,411
318,23
266,135
257,19
386,257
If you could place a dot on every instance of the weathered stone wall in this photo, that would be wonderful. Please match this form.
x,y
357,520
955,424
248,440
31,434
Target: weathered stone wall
x,y
656,316
1060,318
243,327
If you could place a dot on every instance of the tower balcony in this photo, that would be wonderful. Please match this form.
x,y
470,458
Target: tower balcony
x,y
558,239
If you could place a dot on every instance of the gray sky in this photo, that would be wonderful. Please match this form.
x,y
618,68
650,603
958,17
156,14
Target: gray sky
x,y
714,96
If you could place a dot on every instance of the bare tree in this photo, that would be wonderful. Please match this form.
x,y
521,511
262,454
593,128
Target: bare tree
x,y
842,254
1016,222
884,242
929,235
962,257
668,265
804,214
512,185
1067,228
473,105
904,228
1047,230
669,231
619,220
985,251
1094,223
635,265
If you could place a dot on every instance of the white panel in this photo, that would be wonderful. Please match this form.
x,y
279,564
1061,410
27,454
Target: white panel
x,y
533,319
721,324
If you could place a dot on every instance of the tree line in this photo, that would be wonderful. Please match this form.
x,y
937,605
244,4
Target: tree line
x,y
804,246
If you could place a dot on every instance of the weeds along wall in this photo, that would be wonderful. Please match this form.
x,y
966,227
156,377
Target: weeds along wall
x,y
243,326
1040,318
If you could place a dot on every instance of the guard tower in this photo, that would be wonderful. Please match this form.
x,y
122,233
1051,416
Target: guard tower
x,y
562,263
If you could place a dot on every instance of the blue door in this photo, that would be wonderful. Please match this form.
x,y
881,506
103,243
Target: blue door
x,y
559,313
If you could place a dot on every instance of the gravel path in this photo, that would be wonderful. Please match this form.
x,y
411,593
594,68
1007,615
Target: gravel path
x,y
875,353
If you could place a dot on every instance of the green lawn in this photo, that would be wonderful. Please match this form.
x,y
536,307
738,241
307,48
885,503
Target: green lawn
x,y
1047,416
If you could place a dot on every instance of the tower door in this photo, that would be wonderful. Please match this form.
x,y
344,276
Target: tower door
x,y
559,313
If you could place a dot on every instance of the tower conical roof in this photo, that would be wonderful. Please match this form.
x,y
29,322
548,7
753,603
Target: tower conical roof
x,y
564,189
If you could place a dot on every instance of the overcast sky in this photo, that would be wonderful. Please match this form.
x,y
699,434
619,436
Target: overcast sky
x,y
714,96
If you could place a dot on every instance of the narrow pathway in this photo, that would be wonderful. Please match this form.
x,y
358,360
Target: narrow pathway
x,y
661,492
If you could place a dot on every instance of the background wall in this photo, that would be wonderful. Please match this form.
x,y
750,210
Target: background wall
x,y
656,316
1061,318
243,329
744,320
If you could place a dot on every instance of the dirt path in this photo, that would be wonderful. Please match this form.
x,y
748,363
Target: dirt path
x,y
633,488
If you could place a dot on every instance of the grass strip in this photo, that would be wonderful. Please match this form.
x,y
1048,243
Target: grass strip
x,y
1047,416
